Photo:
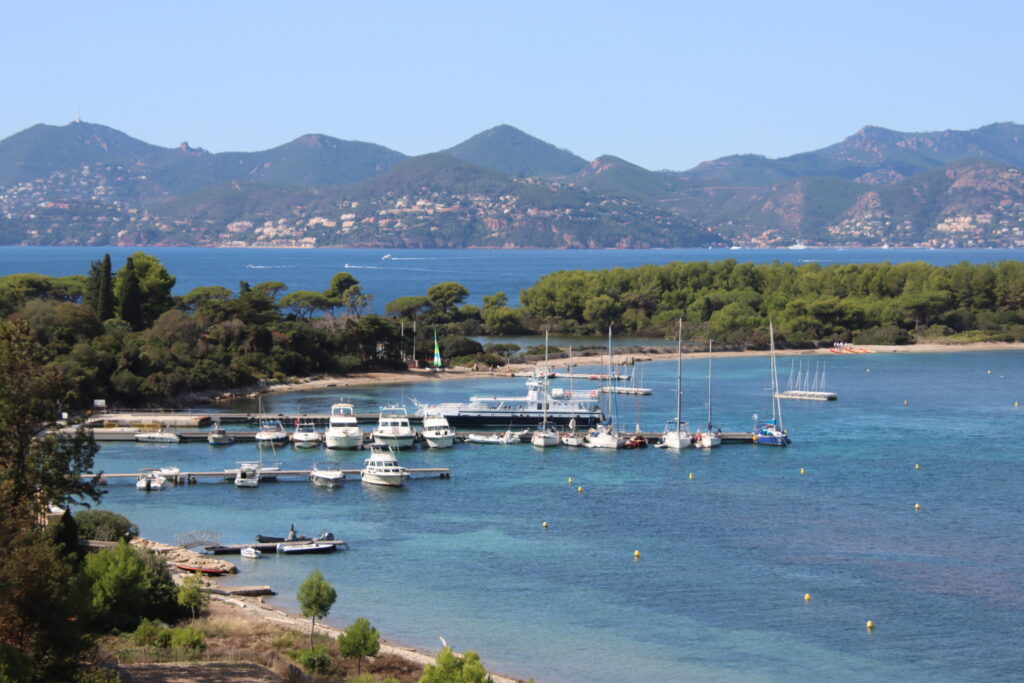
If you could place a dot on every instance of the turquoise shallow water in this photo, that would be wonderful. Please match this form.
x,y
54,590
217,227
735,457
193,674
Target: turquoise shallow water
x,y
726,557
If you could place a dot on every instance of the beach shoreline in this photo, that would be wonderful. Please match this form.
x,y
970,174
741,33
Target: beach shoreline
x,y
362,379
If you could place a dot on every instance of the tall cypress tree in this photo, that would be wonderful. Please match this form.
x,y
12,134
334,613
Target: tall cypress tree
x,y
92,289
129,296
105,291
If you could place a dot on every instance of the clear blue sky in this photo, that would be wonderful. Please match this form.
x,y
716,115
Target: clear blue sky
x,y
661,84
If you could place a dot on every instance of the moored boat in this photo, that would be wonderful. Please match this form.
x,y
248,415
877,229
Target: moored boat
x,y
676,436
304,548
343,431
250,552
393,428
150,479
247,477
436,430
770,432
218,436
271,432
306,435
159,436
382,468
504,438
326,474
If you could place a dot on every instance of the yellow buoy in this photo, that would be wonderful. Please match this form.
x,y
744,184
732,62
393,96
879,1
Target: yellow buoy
x,y
917,465
570,480
579,489
870,625
1015,404
917,506
801,470
636,554
807,597
691,475
905,402
544,524
989,372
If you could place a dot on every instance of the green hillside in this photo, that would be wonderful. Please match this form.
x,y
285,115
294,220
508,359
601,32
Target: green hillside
x,y
509,150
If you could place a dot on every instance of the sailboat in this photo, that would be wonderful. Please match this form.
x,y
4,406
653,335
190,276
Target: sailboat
x,y
676,436
572,437
545,436
711,437
771,432
605,435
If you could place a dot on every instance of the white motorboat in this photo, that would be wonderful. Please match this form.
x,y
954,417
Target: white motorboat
x,y
545,437
251,552
382,468
504,438
159,436
676,435
306,435
271,432
343,431
301,548
436,431
326,474
393,428
218,436
247,477
150,480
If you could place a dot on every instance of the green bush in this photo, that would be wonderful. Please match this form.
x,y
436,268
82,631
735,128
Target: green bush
x,y
315,660
151,633
104,525
188,639
98,674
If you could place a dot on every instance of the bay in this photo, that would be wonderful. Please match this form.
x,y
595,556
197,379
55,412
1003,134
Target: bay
x,y
726,557
389,274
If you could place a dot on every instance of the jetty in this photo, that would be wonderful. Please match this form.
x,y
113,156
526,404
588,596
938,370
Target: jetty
x,y
228,475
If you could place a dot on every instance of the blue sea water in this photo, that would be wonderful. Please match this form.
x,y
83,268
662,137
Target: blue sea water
x,y
726,557
388,275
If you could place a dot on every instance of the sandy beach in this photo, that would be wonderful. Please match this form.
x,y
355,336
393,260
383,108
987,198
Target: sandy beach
x,y
661,353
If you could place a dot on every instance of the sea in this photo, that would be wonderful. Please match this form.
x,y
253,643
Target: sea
x,y
730,540
389,274
900,504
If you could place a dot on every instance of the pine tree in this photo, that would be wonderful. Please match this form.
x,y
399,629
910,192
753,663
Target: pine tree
x,y
129,296
105,291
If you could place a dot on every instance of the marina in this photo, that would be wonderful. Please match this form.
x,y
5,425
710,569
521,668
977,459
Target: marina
x,y
755,528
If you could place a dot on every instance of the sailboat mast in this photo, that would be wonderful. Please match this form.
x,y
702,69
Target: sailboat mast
x,y
709,385
679,378
776,403
544,422
613,402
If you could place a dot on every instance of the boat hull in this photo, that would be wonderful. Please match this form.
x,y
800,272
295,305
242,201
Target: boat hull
x,y
384,479
343,442
677,440
439,440
544,439
394,441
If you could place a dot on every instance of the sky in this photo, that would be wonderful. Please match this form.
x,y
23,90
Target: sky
x,y
665,85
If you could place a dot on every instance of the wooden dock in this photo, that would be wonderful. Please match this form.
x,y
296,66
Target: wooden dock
x,y
228,475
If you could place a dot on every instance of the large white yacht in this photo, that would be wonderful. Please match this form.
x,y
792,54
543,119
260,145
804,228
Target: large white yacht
x,y
382,468
343,430
393,428
524,411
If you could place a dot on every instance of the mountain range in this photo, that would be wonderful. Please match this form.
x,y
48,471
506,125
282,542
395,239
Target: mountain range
x,y
84,183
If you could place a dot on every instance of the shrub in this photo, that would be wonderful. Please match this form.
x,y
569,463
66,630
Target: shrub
x,y
359,640
98,674
151,633
315,660
104,525
188,639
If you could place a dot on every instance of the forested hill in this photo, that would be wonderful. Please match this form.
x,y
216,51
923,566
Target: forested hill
x,y
85,183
